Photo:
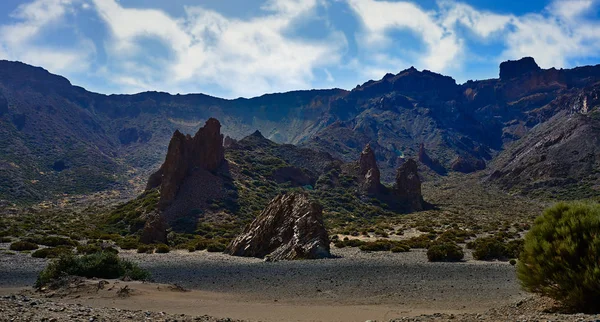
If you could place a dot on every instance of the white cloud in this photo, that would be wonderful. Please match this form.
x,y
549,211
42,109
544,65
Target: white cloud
x,y
243,57
19,41
437,29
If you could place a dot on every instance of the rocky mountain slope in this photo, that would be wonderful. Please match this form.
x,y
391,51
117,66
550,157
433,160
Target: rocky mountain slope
x,y
57,139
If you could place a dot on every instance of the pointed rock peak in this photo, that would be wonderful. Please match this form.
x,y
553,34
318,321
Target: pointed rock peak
x,y
203,151
408,185
369,175
515,68
257,134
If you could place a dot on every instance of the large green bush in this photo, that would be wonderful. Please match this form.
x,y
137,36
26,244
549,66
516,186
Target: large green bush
x,y
445,252
23,245
100,265
561,256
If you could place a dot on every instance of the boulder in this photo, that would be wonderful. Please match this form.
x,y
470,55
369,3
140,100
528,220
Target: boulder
x,y
369,175
408,185
185,153
290,227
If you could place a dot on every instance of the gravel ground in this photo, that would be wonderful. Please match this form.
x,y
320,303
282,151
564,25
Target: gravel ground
x,y
24,308
354,278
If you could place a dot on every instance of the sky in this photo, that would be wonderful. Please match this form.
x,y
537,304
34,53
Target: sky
x,y
246,48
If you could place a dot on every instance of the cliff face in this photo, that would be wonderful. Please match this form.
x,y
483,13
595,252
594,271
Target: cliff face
x,y
203,151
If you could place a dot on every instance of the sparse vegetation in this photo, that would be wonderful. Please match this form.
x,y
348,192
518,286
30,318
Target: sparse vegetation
x,y
445,252
20,246
51,252
100,265
561,256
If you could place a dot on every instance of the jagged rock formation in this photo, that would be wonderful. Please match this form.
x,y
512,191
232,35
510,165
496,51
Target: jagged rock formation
x,y
515,68
203,151
408,185
425,159
155,229
290,227
368,175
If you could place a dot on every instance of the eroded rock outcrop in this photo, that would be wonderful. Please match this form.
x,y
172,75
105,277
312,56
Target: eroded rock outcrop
x,y
515,68
290,227
203,151
408,185
369,175
155,229
425,159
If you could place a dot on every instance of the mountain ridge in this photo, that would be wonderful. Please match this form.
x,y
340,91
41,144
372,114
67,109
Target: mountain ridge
x,y
60,138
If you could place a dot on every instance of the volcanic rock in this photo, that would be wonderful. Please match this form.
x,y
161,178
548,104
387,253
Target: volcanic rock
x,y
155,229
290,227
425,159
203,151
515,68
467,164
408,185
369,175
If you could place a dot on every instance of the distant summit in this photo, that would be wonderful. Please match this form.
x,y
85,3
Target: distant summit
x,y
515,68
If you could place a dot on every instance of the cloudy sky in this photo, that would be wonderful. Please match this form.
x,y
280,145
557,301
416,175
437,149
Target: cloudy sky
x,y
232,48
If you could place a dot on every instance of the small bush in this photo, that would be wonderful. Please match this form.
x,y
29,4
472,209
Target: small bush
x,y
445,252
422,241
513,262
54,241
23,246
488,248
5,240
216,247
514,248
561,256
128,243
100,265
400,249
145,249
88,249
50,252
162,249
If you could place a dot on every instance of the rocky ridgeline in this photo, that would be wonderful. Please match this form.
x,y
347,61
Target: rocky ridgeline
x,y
290,227
203,151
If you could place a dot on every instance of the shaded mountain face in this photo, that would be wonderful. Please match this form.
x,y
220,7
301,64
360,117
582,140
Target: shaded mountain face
x,y
58,139
559,158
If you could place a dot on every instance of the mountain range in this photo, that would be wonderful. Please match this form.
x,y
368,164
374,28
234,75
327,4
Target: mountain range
x,y
531,131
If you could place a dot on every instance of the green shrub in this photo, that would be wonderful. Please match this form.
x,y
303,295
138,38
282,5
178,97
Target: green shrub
x,y
5,240
422,241
216,247
145,249
400,248
100,265
128,243
50,252
561,256
54,241
162,249
488,248
23,245
445,252
513,262
88,249
514,248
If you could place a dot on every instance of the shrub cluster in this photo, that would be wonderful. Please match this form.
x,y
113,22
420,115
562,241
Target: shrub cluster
x,y
380,245
51,252
561,256
162,249
490,248
100,265
444,252
23,245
